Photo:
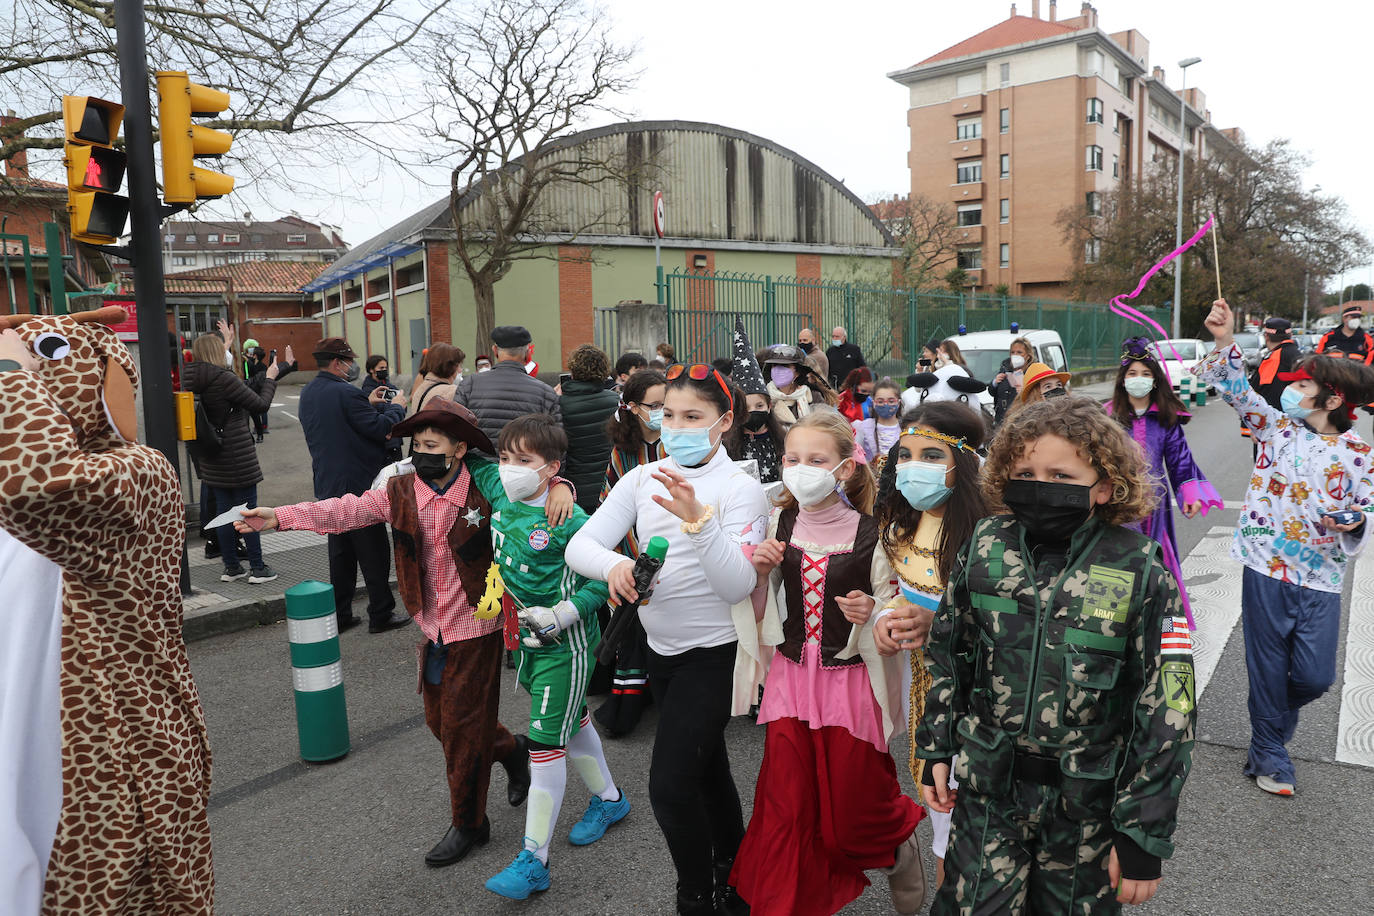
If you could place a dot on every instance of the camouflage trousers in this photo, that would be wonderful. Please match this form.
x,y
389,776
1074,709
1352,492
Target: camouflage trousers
x,y
1021,854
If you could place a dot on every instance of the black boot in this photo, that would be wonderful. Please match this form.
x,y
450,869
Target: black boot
x,y
727,900
695,904
517,767
457,843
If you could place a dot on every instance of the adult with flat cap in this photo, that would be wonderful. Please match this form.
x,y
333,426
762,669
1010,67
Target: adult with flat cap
x,y
1282,356
346,432
507,391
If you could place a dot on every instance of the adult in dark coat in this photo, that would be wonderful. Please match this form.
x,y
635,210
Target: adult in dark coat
x,y
507,391
844,357
231,472
1267,379
346,433
587,404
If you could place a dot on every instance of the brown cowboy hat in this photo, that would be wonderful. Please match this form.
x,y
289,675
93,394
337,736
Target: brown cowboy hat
x,y
451,417
1036,373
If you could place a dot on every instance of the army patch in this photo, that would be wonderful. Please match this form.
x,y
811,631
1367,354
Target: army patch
x,y
1176,640
1178,686
1108,594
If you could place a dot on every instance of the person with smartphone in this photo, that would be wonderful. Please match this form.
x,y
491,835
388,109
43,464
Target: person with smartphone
x,y
1303,521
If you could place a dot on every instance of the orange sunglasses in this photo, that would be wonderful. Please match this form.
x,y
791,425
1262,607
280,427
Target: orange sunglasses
x,y
700,372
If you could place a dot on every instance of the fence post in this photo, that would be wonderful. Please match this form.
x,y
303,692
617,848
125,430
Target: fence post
x,y
1039,313
963,318
660,287
1093,341
849,303
770,309
1006,323
1068,330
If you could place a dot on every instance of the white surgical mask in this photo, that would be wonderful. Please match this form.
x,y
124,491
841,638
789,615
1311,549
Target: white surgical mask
x,y
836,341
1138,386
1017,361
1353,324
521,482
808,484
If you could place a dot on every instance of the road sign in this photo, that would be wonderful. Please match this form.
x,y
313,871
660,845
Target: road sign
x,y
127,331
373,311
658,213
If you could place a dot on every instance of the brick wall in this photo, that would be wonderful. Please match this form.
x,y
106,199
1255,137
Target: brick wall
x,y
809,300
440,303
574,299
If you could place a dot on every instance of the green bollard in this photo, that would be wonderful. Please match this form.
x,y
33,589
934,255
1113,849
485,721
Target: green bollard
x,y
317,672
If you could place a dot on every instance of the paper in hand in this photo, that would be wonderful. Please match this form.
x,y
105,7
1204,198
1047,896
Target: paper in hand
x,y
236,515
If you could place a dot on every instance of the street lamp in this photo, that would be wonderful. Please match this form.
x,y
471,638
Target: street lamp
x,y
1178,227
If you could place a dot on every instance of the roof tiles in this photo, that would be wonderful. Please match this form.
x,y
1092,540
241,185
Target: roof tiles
x,y
1014,31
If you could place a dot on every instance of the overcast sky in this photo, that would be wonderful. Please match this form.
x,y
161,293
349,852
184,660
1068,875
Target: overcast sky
x,y
812,76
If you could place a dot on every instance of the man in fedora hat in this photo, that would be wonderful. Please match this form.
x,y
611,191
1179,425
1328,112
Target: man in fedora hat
x,y
507,391
442,522
346,432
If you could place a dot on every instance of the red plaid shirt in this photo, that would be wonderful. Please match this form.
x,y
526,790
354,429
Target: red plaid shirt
x,y
447,610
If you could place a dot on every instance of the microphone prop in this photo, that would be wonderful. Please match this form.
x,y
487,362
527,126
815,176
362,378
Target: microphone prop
x,y
645,572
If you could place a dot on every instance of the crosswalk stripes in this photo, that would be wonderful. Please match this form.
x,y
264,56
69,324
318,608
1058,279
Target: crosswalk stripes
x,y
1355,736
1213,580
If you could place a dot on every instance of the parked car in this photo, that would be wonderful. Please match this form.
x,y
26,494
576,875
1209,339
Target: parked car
x,y
1251,345
985,350
1179,355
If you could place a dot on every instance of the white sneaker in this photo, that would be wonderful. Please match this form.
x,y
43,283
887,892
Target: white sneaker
x,y
1273,786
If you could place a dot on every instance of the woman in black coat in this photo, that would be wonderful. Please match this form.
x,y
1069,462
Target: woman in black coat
x,y
586,404
231,471
1007,385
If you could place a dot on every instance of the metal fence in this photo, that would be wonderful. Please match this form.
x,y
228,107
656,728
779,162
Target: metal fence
x,y
889,324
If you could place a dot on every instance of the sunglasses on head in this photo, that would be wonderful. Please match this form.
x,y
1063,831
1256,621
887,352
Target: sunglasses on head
x,y
700,372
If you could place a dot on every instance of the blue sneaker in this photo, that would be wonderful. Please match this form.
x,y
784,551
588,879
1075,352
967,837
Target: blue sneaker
x,y
521,878
600,815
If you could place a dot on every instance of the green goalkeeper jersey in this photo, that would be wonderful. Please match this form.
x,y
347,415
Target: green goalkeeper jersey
x,y
530,553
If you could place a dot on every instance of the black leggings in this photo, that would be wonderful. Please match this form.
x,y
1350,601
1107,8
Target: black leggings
x,y
693,794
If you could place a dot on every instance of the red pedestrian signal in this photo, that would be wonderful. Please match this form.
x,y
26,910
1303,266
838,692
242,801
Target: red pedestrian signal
x,y
95,170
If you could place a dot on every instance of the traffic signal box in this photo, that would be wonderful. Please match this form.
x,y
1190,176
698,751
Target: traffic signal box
x,y
95,169
178,101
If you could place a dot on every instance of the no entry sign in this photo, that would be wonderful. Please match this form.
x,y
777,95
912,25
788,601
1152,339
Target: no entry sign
x,y
373,311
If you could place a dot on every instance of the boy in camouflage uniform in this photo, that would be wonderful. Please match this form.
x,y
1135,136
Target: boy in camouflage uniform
x,y
1063,680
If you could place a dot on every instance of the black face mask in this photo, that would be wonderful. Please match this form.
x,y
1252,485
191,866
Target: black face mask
x,y
1050,512
381,374
806,347
430,465
756,420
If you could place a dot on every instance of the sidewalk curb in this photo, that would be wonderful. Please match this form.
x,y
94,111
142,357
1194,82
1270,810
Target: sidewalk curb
x,y
242,615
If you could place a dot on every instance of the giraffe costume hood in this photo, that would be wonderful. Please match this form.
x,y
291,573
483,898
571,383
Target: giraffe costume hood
x,y
77,489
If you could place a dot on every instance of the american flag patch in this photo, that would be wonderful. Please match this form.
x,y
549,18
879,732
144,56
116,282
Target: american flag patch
x,y
1175,639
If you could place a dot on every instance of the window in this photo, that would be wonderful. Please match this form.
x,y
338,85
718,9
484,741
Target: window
x,y
1005,212
968,128
968,83
1004,74
1094,203
970,258
191,237
1005,165
1092,63
181,260
231,239
970,214
212,237
1094,163
1116,166
1092,250
296,239
1053,356
1095,111
1004,255
1125,85
220,260
1165,116
968,171
1005,119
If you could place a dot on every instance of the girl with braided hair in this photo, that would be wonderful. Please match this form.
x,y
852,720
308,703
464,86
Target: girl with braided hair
x,y
928,504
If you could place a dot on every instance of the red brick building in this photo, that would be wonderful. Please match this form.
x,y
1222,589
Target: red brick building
x,y
264,297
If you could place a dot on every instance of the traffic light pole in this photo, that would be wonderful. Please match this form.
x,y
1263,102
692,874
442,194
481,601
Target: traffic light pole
x,y
145,217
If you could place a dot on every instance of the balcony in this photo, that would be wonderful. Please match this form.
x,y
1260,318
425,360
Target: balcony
x,y
967,192
966,105
968,235
966,149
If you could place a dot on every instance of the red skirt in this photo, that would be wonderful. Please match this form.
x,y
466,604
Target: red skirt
x,y
826,809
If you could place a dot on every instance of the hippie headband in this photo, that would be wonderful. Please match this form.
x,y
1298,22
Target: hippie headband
x,y
937,436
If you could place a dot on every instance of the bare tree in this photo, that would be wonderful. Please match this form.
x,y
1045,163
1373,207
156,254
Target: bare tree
x,y
925,229
306,78
516,80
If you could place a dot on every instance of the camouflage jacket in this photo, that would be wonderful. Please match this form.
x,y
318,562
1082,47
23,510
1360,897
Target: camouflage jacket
x,y
1093,666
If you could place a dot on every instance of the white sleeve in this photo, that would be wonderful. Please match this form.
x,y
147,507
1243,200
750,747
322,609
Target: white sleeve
x,y
742,519
591,551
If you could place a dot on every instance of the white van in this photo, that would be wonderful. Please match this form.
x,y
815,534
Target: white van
x,y
985,350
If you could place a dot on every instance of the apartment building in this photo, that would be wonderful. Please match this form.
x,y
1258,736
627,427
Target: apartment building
x,y
198,244
1032,116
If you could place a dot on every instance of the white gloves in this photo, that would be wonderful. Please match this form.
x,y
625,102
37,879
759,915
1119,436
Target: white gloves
x,y
546,623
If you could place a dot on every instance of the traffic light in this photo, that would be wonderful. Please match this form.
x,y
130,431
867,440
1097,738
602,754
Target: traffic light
x,y
95,169
178,101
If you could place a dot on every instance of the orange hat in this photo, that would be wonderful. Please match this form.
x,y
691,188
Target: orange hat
x,y
1036,373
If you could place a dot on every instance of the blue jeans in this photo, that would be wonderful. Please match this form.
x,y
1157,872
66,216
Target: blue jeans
x,y
225,499
1290,655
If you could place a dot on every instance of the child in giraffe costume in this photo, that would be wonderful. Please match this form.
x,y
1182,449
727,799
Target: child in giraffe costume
x,y
132,835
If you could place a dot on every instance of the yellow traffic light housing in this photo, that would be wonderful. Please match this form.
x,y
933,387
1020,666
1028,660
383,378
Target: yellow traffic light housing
x,y
178,101
95,170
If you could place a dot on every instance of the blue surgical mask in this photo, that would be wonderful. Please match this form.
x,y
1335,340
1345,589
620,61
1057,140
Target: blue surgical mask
x,y
688,446
922,484
655,420
1290,401
886,411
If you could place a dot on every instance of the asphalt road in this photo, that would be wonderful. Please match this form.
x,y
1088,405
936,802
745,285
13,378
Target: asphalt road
x,y
349,837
